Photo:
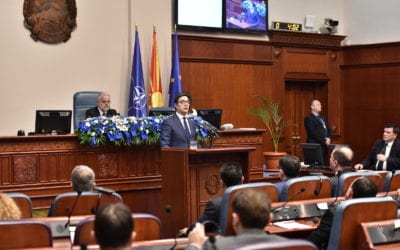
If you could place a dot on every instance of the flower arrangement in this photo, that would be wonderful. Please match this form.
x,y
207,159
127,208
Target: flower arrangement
x,y
129,130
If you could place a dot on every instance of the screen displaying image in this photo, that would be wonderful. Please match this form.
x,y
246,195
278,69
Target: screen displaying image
x,y
246,15
199,14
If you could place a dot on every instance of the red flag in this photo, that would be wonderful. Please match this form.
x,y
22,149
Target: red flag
x,y
156,96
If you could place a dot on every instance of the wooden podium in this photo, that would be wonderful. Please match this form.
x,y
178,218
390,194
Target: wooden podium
x,y
190,177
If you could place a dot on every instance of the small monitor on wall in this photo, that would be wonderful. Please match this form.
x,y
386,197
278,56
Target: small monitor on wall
x,y
53,121
213,116
312,153
246,16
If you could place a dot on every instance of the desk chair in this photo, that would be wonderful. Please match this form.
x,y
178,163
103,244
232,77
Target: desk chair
x,y
391,181
225,223
21,234
289,244
351,213
83,101
347,178
24,203
306,187
147,227
87,203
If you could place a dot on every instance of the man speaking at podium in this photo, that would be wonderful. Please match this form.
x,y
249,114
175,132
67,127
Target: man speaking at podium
x,y
177,130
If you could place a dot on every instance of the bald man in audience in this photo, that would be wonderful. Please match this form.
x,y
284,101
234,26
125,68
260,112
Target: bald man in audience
x,y
361,187
114,227
340,162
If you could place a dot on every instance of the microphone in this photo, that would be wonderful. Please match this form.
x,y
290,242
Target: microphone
x,y
168,210
103,190
289,198
318,190
94,210
72,209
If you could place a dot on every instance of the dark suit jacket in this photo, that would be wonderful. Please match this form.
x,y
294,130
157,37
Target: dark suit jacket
x,y
248,236
320,236
392,163
94,112
173,133
212,210
335,181
315,130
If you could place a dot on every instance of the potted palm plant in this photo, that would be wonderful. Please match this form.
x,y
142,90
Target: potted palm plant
x,y
269,113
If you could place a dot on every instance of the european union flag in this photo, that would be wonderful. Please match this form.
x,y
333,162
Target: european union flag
x,y
137,94
175,85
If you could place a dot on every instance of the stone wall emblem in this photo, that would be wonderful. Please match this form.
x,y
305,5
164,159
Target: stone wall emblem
x,y
50,21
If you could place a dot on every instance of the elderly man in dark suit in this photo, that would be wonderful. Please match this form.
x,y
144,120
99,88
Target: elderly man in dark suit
x,y
385,154
102,108
177,130
251,213
317,128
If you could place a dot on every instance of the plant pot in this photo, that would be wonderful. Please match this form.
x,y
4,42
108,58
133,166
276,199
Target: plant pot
x,y
272,160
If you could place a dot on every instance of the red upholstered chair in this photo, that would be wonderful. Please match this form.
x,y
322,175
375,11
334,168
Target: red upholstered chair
x,y
23,202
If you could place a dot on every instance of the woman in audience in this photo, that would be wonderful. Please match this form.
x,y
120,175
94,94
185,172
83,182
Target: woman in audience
x,y
8,208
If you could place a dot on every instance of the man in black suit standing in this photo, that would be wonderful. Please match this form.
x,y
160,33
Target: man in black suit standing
x,y
385,154
102,108
177,130
317,128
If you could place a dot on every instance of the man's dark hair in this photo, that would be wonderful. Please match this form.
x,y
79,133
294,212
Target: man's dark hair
x,y
231,174
364,187
187,94
342,158
113,225
290,165
82,178
394,126
253,208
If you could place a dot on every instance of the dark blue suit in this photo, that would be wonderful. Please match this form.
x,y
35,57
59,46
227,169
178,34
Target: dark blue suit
x,y
316,132
173,133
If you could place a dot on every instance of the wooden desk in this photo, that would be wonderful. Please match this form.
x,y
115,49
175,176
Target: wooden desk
x,y
384,230
191,178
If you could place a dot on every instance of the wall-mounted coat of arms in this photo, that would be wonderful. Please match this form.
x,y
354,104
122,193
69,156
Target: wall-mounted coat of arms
x,y
50,21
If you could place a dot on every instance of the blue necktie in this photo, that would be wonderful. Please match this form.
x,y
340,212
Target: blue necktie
x,y
187,131
323,125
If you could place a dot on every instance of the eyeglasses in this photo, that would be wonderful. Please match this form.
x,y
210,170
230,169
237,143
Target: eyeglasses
x,y
184,102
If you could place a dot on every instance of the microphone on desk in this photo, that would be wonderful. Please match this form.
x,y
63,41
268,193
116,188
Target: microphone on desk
x,y
288,199
94,209
337,188
168,210
318,190
72,209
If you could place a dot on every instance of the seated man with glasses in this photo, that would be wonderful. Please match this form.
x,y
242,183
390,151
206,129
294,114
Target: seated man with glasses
x,y
102,108
177,130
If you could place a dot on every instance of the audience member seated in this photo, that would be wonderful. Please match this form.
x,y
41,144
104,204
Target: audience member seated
x,y
114,227
82,179
102,108
8,208
289,167
251,213
231,174
385,154
360,188
340,162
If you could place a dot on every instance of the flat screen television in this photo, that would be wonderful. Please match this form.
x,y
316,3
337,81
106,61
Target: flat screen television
x,y
53,121
213,116
165,111
312,154
197,15
246,16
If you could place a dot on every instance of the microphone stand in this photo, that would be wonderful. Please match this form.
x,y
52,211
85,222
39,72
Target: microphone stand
x,y
318,191
289,199
72,209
